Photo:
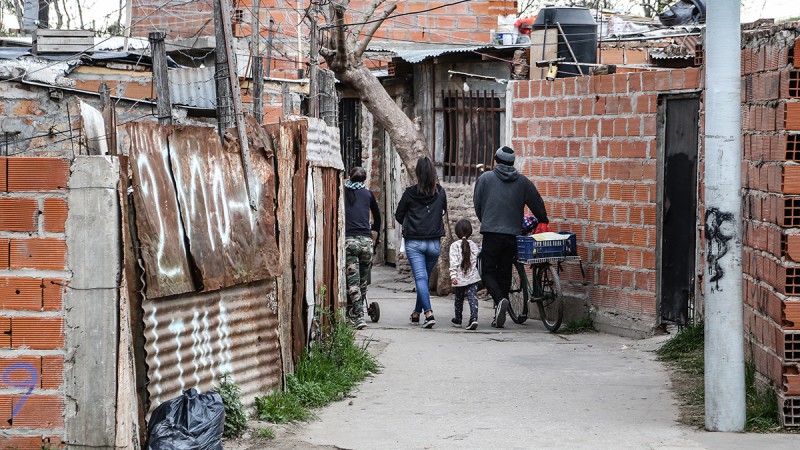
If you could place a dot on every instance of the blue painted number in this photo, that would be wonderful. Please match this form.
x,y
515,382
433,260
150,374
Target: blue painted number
x,y
28,383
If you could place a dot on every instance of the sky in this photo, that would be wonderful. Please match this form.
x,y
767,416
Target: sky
x,y
101,10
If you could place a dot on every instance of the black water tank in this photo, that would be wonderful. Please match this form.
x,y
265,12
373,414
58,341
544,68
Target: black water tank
x,y
579,28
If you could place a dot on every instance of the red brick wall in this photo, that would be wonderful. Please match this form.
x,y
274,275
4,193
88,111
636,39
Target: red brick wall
x,y
465,23
33,211
771,209
589,145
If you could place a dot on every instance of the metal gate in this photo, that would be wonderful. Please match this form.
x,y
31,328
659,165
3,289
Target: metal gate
x,y
349,139
472,122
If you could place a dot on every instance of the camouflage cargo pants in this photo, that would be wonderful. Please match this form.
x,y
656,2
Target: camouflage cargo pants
x,y
359,258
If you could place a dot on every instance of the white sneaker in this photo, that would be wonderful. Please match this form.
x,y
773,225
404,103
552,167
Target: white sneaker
x,y
500,314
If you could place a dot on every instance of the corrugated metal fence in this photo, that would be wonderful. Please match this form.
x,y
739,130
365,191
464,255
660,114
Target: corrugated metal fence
x,y
220,293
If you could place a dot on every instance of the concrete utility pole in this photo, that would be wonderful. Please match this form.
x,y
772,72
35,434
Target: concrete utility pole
x,y
724,322
158,51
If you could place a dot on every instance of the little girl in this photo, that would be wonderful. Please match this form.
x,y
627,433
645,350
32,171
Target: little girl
x,y
464,273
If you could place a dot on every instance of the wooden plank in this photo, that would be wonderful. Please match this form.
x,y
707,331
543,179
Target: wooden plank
x,y
58,40
62,48
544,46
64,33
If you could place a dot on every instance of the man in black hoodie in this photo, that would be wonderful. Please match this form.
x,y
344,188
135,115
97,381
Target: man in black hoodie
x,y
500,198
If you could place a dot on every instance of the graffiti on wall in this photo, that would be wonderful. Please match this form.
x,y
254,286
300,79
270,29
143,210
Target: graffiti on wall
x,y
720,229
28,383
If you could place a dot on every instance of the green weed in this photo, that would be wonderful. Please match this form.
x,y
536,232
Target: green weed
x,y
266,433
235,418
327,372
579,325
762,404
685,353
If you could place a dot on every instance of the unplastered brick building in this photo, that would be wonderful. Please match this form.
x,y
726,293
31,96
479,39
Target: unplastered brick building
x,y
619,160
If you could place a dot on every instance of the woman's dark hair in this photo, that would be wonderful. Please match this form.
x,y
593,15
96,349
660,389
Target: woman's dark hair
x,y
358,174
464,231
426,176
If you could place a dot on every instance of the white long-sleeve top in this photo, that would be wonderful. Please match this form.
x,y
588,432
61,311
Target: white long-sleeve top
x,y
472,275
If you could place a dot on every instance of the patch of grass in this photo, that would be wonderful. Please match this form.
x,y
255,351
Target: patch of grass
x,y
235,418
684,352
762,404
266,433
327,372
579,325
687,341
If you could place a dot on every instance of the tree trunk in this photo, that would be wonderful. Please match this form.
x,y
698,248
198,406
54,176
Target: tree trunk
x,y
18,12
80,13
344,57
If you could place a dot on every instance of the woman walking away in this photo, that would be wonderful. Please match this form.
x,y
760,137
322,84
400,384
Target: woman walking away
x,y
420,212
464,273
360,239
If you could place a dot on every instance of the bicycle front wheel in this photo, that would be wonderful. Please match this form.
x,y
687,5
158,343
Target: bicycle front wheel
x,y
551,306
518,295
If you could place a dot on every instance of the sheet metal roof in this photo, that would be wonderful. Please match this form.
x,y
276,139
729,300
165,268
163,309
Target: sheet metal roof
x,y
418,53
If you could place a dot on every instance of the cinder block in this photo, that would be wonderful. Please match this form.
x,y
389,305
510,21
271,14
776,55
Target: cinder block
x,y
4,257
42,254
39,411
797,66
3,173
21,294
37,333
52,370
791,315
791,180
18,214
37,174
18,369
792,116
5,332
17,442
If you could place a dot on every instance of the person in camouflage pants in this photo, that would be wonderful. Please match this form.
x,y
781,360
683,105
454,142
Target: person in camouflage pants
x,y
359,258
361,236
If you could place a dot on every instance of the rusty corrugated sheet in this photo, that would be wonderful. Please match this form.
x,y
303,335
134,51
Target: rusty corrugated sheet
x,y
193,339
158,219
193,87
323,145
229,242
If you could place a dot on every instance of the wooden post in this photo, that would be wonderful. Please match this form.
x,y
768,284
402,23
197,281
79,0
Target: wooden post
x,y
238,113
109,118
286,100
221,75
258,64
160,77
313,79
269,47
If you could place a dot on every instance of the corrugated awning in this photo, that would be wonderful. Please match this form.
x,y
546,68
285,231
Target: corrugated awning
x,y
419,53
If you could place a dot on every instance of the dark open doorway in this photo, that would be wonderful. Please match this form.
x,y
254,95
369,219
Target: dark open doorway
x,y
678,119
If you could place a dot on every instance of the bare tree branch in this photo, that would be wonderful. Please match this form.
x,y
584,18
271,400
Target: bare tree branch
x,y
365,17
373,27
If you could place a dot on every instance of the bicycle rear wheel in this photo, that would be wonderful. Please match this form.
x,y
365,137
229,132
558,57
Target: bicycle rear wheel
x,y
551,306
518,295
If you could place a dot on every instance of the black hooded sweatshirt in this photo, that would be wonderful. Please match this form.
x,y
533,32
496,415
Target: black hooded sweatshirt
x,y
420,215
500,198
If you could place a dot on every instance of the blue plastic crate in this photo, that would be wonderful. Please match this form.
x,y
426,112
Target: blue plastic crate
x,y
529,248
570,244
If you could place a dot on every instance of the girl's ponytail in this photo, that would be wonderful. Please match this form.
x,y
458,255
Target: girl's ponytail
x,y
464,231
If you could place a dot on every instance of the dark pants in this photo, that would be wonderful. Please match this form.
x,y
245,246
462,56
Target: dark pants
x,y
498,253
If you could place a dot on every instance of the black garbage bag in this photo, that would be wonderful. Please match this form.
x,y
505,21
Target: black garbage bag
x,y
684,12
192,421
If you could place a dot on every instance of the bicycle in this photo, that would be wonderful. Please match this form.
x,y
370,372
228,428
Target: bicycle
x,y
544,290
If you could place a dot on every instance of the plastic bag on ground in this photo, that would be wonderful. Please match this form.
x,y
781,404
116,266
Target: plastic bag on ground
x,y
192,421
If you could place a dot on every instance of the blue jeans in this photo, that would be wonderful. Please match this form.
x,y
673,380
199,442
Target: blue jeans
x,y
422,255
